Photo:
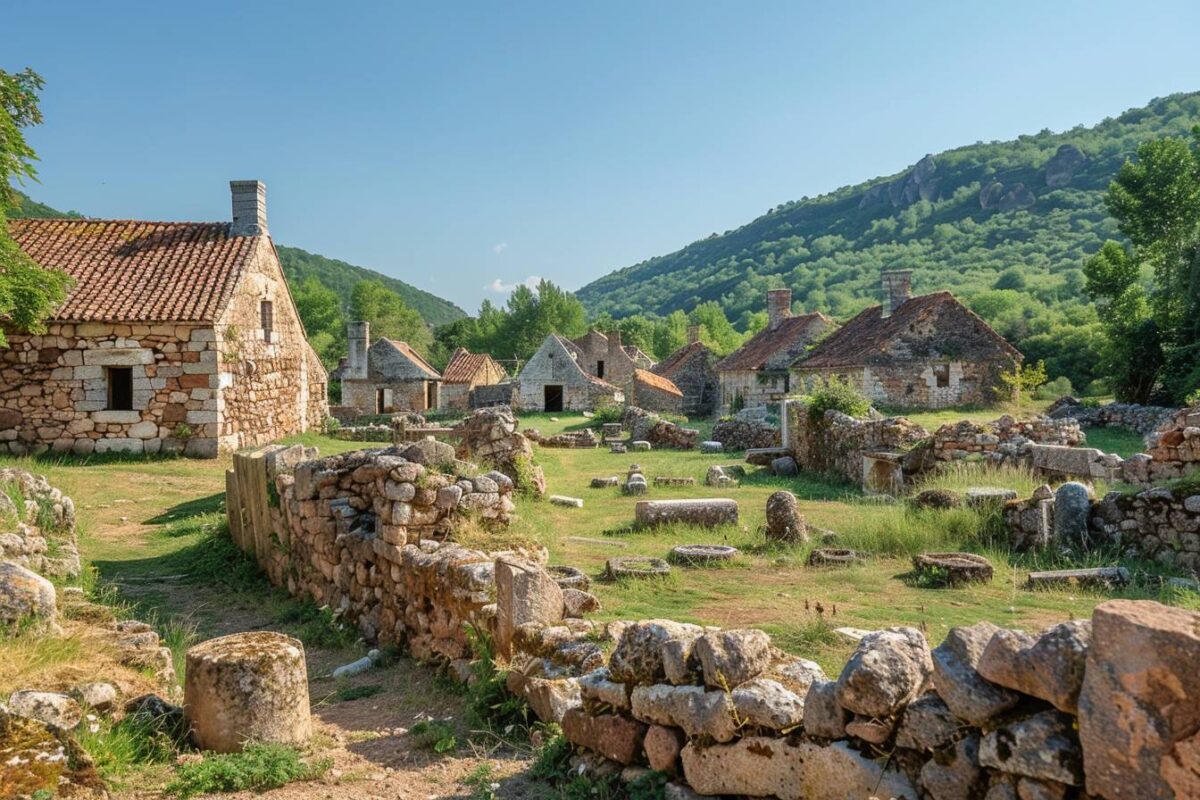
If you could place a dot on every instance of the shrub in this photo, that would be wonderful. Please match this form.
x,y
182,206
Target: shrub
x,y
607,413
330,426
1097,388
837,394
1059,387
257,768
489,702
436,735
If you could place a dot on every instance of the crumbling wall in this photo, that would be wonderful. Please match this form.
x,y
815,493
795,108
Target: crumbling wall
x,y
649,427
1143,419
837,443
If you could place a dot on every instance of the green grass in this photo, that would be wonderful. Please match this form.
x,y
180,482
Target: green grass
x,y
1122,441
257,768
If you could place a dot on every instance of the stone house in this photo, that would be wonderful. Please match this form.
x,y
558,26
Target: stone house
x,y
387,376
654,393
176,337
464,373
929,351
756,374
693,370
604,356
554,380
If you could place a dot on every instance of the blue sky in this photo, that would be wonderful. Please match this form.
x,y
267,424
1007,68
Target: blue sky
x,y
464,147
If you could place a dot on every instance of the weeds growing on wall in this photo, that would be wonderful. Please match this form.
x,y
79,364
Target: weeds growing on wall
x,y
490,705
552,766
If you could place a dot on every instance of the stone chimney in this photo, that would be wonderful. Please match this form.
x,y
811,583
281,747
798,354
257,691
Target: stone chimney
x,y
779,306
618,367
249,208
358,339
897,289
693,334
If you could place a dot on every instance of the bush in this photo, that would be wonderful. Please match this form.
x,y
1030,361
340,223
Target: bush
x,y
330,426
1097,388
607,413
1059,387
489,703
259,767
837,394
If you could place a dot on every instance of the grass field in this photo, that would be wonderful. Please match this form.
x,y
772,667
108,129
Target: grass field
x,y
160,518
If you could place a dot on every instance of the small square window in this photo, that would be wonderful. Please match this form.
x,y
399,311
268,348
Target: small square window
x,y
120,388
267,315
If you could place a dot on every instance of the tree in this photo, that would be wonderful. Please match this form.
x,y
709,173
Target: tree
x,y
320,310
389,316
718,333
1153,335
28,293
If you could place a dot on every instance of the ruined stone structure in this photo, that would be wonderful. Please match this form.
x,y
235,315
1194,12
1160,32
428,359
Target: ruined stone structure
x,y
1143,419
604,356
917,352
693,370
838,443
387,376
756,374
177,337
1085,706
646,426
554,379
464,373
654,393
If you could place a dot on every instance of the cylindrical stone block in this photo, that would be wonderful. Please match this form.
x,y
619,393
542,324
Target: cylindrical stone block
x,y
707,513
247,687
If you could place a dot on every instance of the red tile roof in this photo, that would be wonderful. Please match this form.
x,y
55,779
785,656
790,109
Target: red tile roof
x,y
464,366
126,270
776,349
866,338
656,381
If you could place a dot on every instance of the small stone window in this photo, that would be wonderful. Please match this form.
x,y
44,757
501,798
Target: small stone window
x,y
941,374
599,369
120,388
266,311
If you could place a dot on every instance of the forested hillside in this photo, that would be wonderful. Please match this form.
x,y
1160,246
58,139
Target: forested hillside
x,y
341,277
1006,225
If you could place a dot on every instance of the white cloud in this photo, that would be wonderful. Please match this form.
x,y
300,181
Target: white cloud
x,y
500,287
499,247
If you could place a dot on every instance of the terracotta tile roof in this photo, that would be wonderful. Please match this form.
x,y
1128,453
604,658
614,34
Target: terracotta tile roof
x,y
925,323
415,358
657,381
139,271
776,349
680,357
464,366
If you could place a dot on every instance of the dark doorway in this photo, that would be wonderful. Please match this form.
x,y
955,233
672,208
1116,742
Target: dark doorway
x,y
431,395
380,401
554,398
599,369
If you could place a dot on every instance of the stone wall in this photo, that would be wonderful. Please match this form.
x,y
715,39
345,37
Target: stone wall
x,y
743,433
643,394
921,384
490,436
267,383
649,427
364,533
500,394
1083,706
40,534
837,443
755,389
1143,419
398,395
1159,524
54,391
1004,440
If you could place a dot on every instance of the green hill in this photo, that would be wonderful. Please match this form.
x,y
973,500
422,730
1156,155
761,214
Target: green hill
x,y
338,275
1019,215
299,264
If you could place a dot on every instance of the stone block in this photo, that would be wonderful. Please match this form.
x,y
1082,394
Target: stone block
x,y
615,737
525,593
706,513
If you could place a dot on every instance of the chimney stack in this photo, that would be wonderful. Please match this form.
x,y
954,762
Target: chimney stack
x,y
358,339
897,289
779,306
693,334
249,208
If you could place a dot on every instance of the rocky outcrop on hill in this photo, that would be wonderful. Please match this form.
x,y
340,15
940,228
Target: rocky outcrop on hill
x,y
1063,166
997,197
919,183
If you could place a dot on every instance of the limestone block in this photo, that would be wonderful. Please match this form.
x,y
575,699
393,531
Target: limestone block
x,y
889,669
119,445
696,711
525,593
707,513
118,357
1049,666
24,595
117,417
248,686
955,675
614,737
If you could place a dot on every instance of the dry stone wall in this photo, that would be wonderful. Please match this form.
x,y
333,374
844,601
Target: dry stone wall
x,y
838,442
1143,419
646,426
989,712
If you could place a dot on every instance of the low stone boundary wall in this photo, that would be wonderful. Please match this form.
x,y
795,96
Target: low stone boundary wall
x,y
1004,441
1143,419
646,426
987,711
838,442
739,433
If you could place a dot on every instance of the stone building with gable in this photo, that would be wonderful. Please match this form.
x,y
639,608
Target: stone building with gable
x,y
554,379
928,351
693,370
176,337
757,373
386,377
604,356
464,373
